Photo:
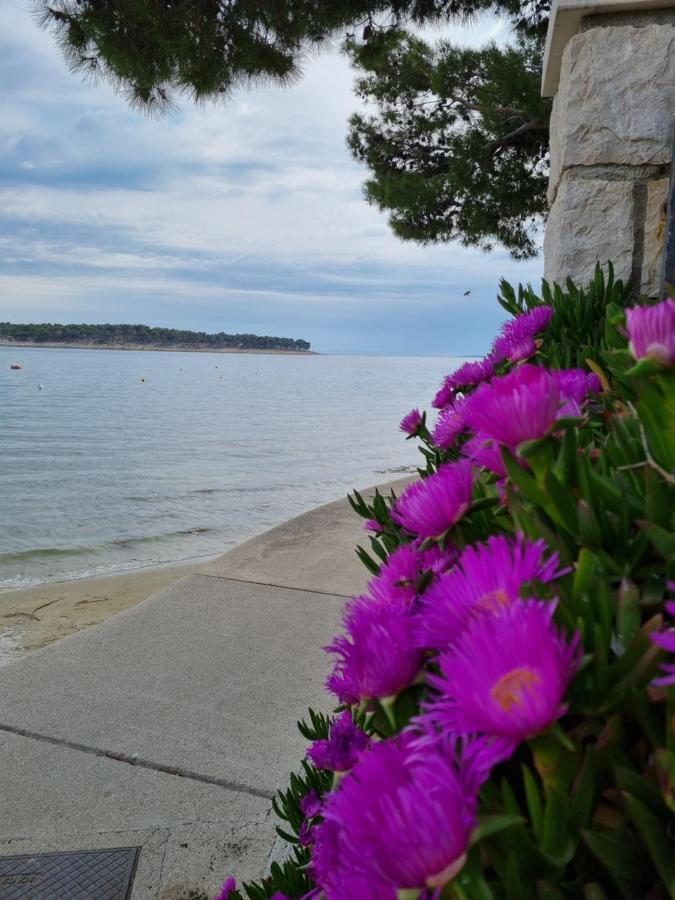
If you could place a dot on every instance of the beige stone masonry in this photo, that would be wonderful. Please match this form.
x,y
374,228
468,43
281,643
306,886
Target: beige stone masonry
x,y
654,236
616,103
611,138
567,18
592,220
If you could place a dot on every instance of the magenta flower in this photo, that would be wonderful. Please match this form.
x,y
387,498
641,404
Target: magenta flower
x,y
412,423
306,834
336,880
575,386
483,451
432,506
373,525
435,560
399,575
403,817
310,805
651,332
506,675
377,658
449,425
345,743
405,573
227,890
515,351
471,374
516,341
445,394
468,375
487,578
521,406
666,640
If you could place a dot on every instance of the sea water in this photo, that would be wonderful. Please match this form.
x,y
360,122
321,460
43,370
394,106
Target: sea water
x,y
116,460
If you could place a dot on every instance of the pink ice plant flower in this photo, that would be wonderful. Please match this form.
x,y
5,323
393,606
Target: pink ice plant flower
x,y
228,888
517,339
412,422
377,657
430,507
345,743
468,375
575,385
336,881
373,525
399,575
505,676
521,406
434,559
651,332
405,572
666,640
449,425
444,395
482,451
487,578
310,805
402,819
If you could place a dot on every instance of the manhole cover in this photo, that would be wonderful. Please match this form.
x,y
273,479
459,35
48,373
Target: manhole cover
x,y
82,875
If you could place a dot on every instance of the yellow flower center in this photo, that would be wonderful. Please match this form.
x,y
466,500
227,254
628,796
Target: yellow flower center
x,y
493,601
511,689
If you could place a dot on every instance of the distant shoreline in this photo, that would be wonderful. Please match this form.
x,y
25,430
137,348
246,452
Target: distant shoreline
x,y
177,349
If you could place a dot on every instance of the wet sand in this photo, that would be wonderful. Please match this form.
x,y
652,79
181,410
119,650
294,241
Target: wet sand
x,y
33,617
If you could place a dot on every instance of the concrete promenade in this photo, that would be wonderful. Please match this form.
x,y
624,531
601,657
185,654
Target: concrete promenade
x,y
171,725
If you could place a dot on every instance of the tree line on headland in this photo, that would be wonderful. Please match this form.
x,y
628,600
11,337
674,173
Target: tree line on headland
x,y
111,335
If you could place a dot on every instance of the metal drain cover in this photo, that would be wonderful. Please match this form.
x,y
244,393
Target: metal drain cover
x,y
82,875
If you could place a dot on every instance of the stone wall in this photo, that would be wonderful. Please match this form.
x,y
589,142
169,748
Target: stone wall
x,y
611,149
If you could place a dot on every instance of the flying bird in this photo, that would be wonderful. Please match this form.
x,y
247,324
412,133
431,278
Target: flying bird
x,y
466,293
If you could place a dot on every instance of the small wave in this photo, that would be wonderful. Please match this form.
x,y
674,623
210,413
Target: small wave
x,y
153,538
54,552
19,582
43,552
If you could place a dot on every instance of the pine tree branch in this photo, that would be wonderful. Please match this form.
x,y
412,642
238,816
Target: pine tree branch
x,y
512,137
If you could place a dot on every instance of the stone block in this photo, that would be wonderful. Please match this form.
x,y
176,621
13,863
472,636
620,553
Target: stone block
x,y
555,142
654,236
616,99
591,221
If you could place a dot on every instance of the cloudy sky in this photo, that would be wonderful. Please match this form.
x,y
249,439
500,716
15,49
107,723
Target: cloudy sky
x,y
246,217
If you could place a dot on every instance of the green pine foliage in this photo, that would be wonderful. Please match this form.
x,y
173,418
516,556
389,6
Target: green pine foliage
x,y
457,146
153,50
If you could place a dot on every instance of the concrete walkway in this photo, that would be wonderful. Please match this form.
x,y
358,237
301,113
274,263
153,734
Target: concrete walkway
x,y
171,725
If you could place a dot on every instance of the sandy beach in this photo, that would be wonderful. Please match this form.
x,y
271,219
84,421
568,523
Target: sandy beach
x,y
33,617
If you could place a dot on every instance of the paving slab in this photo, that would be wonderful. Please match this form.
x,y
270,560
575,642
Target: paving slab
x,y
313,552
208,677
191,835
171,725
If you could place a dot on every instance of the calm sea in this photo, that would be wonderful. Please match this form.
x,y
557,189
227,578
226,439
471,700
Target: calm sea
x,y
114,460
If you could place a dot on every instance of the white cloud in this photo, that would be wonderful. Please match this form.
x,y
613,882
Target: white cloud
x,y
96,198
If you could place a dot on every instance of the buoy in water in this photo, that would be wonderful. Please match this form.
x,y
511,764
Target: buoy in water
x,y
143,380
16,366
